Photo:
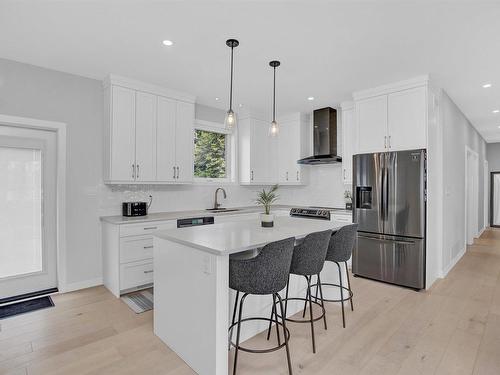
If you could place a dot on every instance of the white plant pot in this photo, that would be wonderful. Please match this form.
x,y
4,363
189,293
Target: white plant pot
x,y
267,221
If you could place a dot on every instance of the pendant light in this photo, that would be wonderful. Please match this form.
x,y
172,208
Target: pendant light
x,y
274,127
230,121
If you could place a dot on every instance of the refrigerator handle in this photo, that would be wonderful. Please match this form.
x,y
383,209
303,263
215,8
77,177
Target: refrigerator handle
x,y
387,164
402,242
382,186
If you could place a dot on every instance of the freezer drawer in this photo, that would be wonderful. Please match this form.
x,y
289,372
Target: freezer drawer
x,y
396,260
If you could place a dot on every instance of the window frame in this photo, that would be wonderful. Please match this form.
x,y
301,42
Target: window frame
x,y
216,127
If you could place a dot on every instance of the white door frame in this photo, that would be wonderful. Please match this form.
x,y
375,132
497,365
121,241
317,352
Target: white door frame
x,y
60,129
486,197
469,151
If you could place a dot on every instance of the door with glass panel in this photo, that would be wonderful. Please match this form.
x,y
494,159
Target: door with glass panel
x,y
28,221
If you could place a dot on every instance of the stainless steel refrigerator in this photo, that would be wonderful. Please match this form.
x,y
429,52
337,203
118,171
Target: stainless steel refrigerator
x,y
389,204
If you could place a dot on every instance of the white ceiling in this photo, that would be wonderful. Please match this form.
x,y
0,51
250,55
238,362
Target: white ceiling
x,y
327,49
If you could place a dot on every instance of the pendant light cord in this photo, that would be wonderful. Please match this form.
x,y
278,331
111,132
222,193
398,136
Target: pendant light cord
x,y
274,95
231,84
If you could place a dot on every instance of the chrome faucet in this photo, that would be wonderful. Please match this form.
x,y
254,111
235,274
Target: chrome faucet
x,y
217,204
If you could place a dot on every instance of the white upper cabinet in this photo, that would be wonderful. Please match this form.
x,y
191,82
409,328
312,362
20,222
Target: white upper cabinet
x,y
148,133
289,151
265,160
184,141
165,140
371,117
407,119
145,136
392,117
348,140
122,151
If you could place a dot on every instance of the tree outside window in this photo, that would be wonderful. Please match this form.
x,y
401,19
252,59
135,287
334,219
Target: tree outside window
x,y
210,154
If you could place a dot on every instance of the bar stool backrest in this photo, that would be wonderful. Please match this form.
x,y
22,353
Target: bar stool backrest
x,y
309,256
342,243
267,273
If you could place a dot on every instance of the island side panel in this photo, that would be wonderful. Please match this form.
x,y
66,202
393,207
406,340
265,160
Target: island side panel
x,y
191,304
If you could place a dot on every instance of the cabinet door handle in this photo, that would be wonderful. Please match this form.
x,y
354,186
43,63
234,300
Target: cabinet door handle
x,y
251,175
344,173
148,271
133,171
137,171
385,141
148,247
174,172
287,176
389,141
297,175
149,228
177,172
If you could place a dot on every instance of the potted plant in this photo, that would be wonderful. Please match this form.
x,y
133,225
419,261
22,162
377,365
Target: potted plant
x,y
266,199
348,200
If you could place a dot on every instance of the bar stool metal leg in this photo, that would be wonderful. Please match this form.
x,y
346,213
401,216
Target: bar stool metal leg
x,y
238,330
318,286
311,312
233,319
349,284
283,320
341,294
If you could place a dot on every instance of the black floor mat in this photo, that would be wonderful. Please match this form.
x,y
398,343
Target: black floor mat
x,y
25,307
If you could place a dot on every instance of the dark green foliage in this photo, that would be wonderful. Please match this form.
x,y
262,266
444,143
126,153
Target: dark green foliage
x,y
209,154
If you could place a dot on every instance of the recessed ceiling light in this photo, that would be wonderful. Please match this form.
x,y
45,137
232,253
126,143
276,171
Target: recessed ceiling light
x,y
241,105
496,110
167,42
217,99
310,98
487,85
499,126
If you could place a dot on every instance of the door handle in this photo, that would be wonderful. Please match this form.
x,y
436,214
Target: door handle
x,y
177,172
385,141
133,171
149,228
148,247
389,141
287,176
149,271
137,170
251,175
174,172
344,173
297,175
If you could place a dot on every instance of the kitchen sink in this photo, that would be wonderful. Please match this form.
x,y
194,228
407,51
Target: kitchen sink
x,y
216,210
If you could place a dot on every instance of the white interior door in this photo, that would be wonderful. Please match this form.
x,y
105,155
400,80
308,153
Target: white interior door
x,y
28,250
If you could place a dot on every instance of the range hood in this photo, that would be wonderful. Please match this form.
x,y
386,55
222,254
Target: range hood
x,y
325,138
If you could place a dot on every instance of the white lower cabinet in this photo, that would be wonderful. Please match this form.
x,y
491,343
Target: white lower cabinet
x,y
128,255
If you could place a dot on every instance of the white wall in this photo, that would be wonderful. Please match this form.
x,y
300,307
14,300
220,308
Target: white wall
x,y
457,133
30,91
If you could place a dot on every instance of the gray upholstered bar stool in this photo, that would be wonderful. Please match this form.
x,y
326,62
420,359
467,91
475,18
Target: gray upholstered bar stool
x,y
265,274
340,251
308,260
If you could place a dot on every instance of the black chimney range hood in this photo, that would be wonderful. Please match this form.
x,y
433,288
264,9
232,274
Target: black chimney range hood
x,y
325,138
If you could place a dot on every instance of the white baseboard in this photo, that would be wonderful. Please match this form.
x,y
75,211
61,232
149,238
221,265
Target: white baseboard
x,y
80,285
481,232
452,263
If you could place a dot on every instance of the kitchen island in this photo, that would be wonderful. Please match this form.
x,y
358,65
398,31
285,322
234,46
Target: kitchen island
x,y
191,278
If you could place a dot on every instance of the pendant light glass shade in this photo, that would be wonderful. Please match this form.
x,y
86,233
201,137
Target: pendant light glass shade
x,y
230,120
274,128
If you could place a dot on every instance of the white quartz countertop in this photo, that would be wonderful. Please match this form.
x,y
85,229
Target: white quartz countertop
x,y
238,236
174,215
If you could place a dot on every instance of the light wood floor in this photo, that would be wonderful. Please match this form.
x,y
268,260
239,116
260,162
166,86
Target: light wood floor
x,y
452,329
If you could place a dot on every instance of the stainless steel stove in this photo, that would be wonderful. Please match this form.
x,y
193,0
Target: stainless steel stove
x,y
314,212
